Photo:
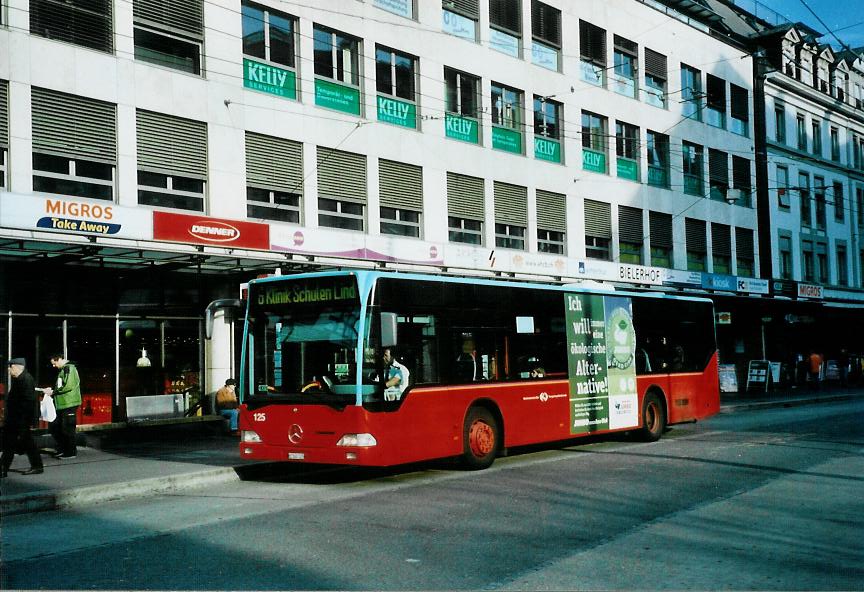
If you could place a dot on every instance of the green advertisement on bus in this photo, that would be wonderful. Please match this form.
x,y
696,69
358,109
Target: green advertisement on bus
x,y
601,348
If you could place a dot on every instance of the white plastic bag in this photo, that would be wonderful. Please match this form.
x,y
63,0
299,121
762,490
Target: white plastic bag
x,y
46,409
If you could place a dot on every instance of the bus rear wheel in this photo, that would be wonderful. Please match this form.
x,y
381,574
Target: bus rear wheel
x,y
480,438
653,418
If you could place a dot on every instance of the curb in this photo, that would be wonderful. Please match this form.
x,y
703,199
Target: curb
x,y
26,503
755,405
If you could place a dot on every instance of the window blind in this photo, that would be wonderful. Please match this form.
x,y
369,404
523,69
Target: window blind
x,y
741,174
274,163
592,43
465,196
511,204
88,23
716,93
694,231
73,126
171,145
630,227
744,243
739,106
4,113
185,17
546,23
625,45
468,8
655,64
341,175
660,226
598,219
551,211
506,14
721,239
400,185
718,165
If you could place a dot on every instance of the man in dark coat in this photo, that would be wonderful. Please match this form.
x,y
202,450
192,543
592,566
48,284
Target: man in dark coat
x,y
22,413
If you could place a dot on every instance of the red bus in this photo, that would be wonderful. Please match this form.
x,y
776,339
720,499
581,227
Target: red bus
x,y
483,366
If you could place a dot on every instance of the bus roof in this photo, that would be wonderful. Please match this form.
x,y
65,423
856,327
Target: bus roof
x,y
366,277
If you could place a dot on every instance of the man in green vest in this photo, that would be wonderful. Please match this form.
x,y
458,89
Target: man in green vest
x,y
67,399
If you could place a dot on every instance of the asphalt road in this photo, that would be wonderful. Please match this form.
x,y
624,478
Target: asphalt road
x,y
770,499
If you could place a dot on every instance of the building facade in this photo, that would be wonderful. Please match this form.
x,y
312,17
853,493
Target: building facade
x,y
154,155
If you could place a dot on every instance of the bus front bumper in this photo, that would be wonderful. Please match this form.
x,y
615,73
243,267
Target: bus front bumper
x,y
336,455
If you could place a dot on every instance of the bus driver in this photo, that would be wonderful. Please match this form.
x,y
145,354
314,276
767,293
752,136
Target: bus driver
x,y
395,375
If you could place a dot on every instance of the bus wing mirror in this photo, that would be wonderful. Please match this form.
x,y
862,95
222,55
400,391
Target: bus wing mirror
x,y
388,329
210,311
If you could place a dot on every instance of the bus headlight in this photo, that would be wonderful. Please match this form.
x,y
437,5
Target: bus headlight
x,y
249,436
357,440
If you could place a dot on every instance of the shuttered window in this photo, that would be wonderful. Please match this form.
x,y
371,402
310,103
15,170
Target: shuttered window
x,y
185,18
655,78
341,189
592,44
465,210
4,114
506,15
716,101
169,34
741,178
598,219
467,8
660,233
546,24
171,145
83,22
655,64
721,247
739,106
745,254
551,211
73,126
697,246
274,178
400,192
630,234
511,215
718,173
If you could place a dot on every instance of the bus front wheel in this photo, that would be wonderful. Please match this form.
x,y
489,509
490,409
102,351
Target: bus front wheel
x,y
653,418
480,438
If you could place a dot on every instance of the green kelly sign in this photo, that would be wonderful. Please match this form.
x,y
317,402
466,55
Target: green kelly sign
x,y
601,347
506,140
269,79
337,97
628,169
461,128
546,149
397,112
593,161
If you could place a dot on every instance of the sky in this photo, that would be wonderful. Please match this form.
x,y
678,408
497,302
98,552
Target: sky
x,y
837,14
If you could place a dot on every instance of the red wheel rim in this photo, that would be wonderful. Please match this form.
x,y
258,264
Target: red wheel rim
x,y
651,416
481,438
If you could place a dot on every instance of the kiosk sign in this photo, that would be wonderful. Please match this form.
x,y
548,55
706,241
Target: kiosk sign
x,y
601,349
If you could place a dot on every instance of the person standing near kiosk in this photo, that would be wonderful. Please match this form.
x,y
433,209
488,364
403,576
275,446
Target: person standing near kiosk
x,y
67,399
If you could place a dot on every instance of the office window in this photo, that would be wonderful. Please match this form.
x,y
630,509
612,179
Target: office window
x,y
625,66
269,34
745,254
715,107
631,236
859,200
74,145
658,159
740,110
337,55
395,73
592,52
842,265
801,127
839,202
88,23
465,209
804,195
546,36
4,131
462,93
505,26
718,174
721,248
511,215
547,118
697,245
655,78
400,190
660,235
819,198
783,187
460,17
692,165
780,124
741,179
169,34
835,144
506,106
691,92
274,178
598,230
817,137
822,269
627,149
551,222
342,189
594,142
785,248
172,161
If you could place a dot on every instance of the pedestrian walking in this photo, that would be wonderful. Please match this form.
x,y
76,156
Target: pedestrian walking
x,y
22,413
226,403
67,399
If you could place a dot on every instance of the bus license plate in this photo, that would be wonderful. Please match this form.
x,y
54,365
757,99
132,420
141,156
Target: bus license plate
x,y
296,455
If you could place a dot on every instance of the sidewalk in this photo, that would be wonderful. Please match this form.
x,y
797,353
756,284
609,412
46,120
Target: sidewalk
x,y
127,461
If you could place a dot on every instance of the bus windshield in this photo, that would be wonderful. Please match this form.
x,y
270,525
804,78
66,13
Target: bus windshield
x,y
302,340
